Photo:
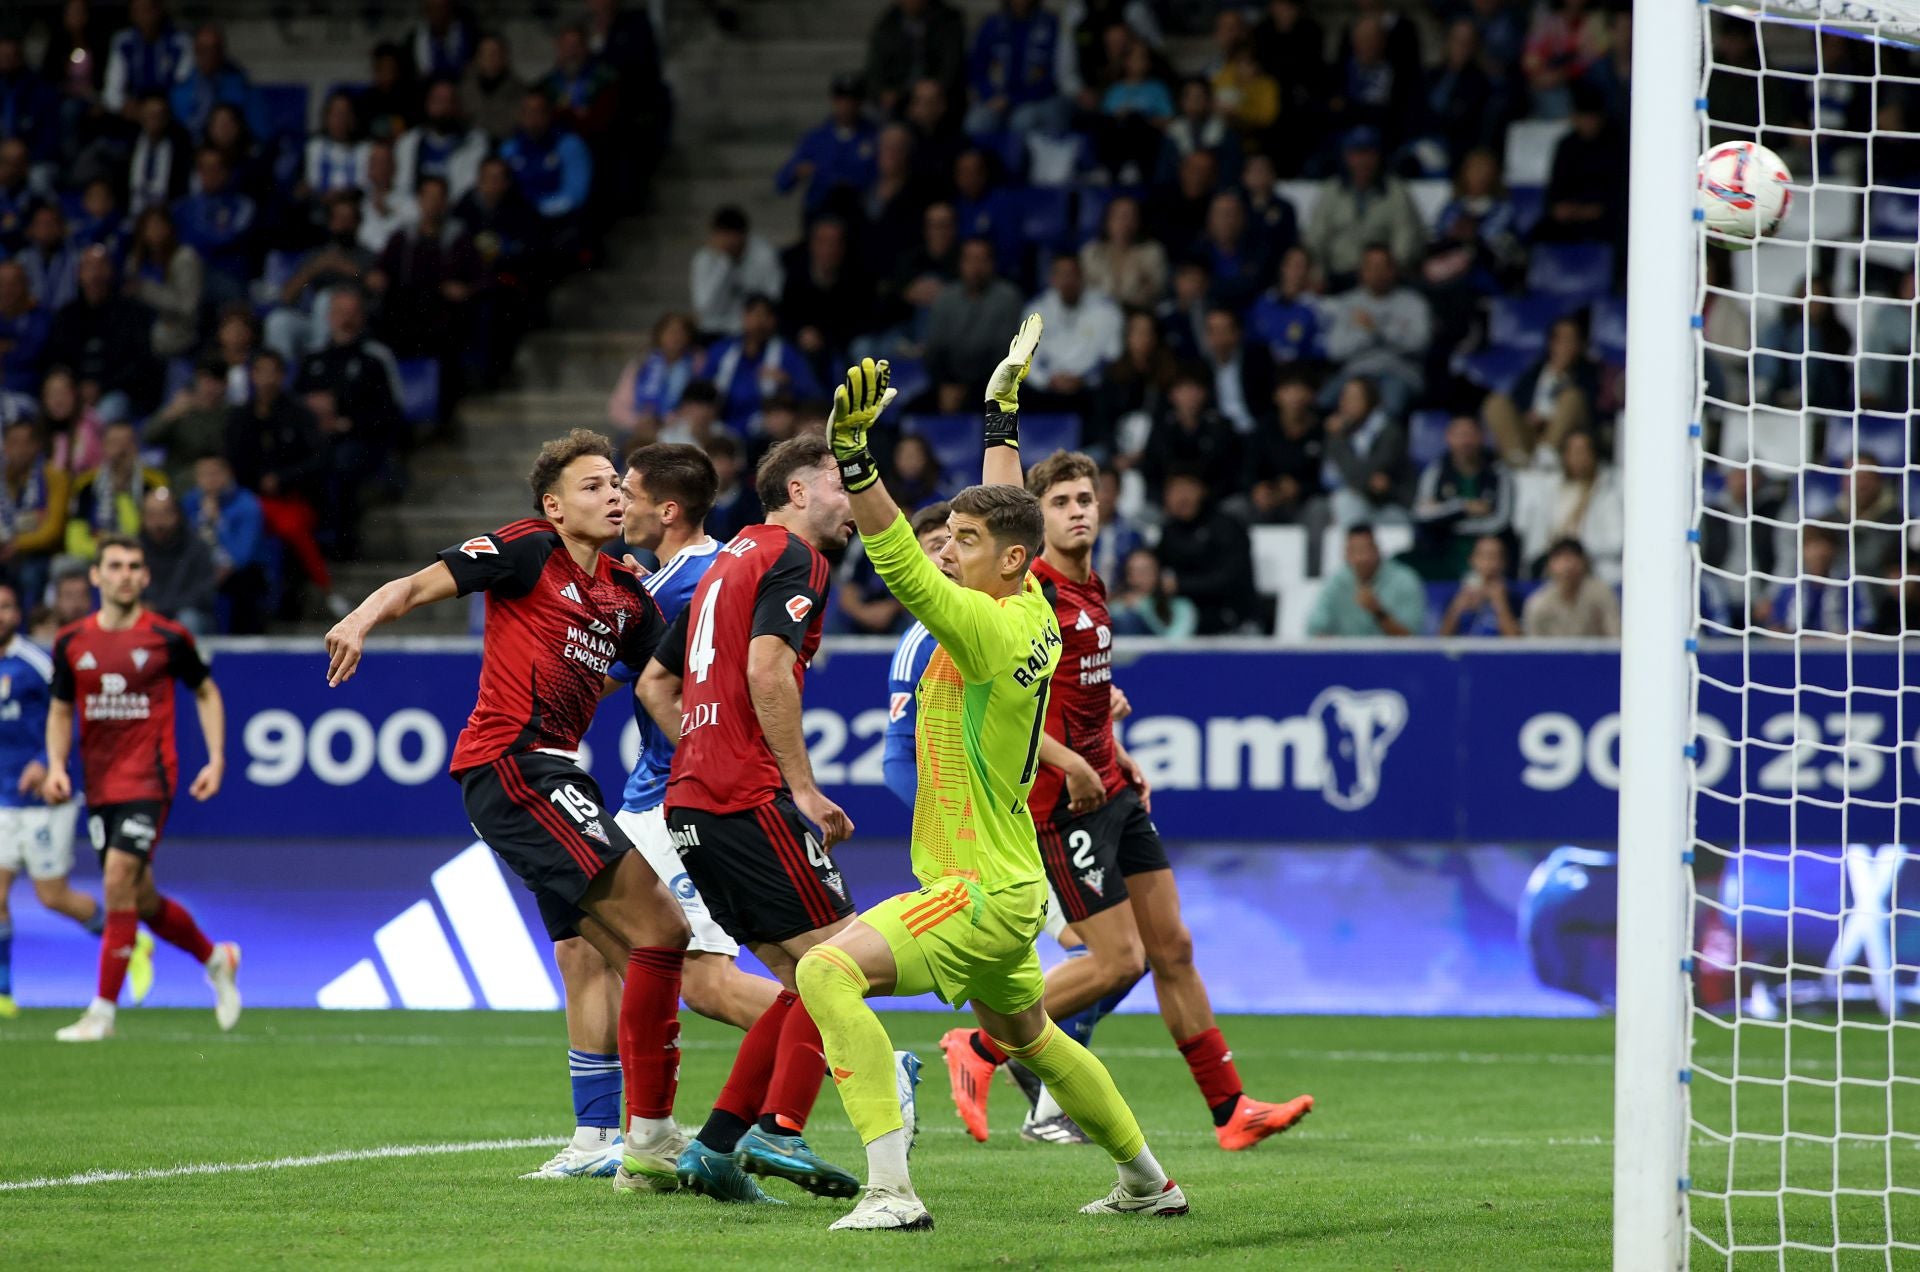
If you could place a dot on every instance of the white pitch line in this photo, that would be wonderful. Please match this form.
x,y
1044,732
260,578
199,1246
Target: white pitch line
x,y
89,1177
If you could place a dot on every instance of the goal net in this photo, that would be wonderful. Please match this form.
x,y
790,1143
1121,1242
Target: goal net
x,y
1802,1044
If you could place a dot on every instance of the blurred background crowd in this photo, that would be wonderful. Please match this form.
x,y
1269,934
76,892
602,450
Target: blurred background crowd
x,y
1332,291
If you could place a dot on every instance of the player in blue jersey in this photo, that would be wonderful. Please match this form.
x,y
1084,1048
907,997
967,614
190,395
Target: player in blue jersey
x,y
34,837
910,658
669,490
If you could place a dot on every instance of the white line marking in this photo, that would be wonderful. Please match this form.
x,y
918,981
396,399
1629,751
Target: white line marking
x,y
279,1163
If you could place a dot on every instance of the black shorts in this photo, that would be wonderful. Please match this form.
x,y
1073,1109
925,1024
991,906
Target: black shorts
x,y
544,816
132,827
762,872
1090,857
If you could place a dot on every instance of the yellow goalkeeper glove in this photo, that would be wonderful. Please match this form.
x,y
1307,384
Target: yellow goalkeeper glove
x,y
856,405
1003,386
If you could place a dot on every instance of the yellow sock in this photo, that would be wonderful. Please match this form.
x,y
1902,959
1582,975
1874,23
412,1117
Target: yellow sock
x,y
859,1053
1084,1089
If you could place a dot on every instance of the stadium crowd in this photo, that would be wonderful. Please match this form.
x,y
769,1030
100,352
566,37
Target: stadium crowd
x,y
223,332
1288,283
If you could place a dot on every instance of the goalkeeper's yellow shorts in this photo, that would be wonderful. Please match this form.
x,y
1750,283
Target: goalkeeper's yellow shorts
x,y
964,943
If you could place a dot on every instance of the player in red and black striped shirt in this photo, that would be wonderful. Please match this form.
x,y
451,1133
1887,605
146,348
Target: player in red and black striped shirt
x,y
1101,849
559,613
752,826
117,668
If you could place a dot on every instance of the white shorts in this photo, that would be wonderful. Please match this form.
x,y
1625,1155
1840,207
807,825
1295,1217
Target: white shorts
x,y
38,839
648,831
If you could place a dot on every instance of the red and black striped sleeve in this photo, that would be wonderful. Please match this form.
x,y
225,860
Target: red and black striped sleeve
x,y
791,593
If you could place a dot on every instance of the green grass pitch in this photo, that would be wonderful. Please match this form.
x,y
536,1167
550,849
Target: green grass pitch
x,y
1436,1144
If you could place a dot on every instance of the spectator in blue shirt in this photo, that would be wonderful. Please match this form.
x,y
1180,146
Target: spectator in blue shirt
x,y
1482,605
980,211
649,388
554,171
1012,71
751,367
23,331
227,518
1286,318
218,223
149,56
1135,108
837,153
29,106
1819,599
212,80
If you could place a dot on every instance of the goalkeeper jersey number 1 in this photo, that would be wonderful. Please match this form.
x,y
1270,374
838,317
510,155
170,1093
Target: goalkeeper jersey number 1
x,y
981,705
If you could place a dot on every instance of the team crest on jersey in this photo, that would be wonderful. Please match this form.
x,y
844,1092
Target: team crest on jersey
x,y
86,662
140,660
833,880
1096,879
572,593
475,548
797,607
620,621
593,830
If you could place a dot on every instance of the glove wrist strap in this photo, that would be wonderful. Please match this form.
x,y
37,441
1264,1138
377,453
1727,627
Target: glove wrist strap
x,y
858,471
1003,428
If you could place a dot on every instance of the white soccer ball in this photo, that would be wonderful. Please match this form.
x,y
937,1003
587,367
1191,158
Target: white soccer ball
x,y
1743,193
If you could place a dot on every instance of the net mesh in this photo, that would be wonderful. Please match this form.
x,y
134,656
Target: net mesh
x,y
1804,1035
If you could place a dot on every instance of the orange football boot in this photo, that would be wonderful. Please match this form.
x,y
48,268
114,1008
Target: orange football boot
x,y
971,1075
1253,1120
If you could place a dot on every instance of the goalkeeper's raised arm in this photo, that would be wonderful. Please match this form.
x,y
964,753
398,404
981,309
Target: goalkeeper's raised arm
x,y
986,562
1002,463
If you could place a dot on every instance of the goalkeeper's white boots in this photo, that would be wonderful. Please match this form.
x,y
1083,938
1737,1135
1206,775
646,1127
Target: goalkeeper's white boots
x,y
95,1026
1166,1202
885,1209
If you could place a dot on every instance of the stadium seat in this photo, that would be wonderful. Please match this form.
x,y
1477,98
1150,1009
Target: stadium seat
x,y
420,390
1893,216
1303,195
1608,324
1041,435
1279,558
1427,436
955,440
179,376
1295,608
284,107
1530,147
1430,196
1045,217
1497,369
1880,438
909,378
1529,204
1521,322
1092,212
1580,272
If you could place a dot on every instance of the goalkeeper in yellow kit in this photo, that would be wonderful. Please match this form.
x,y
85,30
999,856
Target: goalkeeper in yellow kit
x,y
968,933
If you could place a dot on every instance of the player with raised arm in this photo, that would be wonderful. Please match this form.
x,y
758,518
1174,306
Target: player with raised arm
x,y
1045,1122
753,828
33,837
559,614
968,934
669,489
1103,854
119,665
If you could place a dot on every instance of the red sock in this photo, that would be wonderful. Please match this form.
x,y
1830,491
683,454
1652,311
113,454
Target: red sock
x,y
797,1073
176,927
1212,1066
650,1030
987,1048
116,951
746,1087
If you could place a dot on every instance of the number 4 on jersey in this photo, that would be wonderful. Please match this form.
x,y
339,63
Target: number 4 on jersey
x,y
700,653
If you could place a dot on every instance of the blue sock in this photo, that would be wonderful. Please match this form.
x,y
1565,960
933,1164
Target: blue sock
x,y
97,925
596,1089
1079,1026
6,956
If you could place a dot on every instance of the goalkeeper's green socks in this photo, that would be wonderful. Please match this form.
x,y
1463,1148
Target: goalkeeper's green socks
x,y
1084,1089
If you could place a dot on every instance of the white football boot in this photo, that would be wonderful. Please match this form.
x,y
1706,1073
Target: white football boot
x,y
599,1160
223,969
650,1167
1167,1202
885,1209
96,1025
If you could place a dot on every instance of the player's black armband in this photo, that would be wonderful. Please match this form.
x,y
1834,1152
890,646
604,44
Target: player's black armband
x,y
858,471
1003,429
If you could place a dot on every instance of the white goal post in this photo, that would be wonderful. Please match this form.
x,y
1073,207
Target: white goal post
x,y
1767,1047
